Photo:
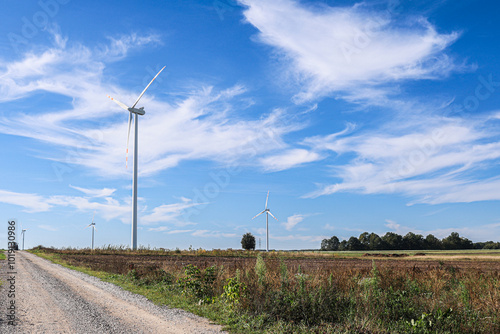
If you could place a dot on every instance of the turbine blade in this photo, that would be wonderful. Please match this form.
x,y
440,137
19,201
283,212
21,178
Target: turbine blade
x,y
272,215
259,214
118,103
128,137
267,198
95,228
145,89
93,218
87,226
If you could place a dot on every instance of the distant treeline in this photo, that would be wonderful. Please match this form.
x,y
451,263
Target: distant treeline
x,y
411,241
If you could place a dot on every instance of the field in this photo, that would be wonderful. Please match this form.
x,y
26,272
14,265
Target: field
x,y
313,292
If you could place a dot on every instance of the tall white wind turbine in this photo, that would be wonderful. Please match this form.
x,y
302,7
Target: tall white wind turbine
x,y
92,226
136,112
266,210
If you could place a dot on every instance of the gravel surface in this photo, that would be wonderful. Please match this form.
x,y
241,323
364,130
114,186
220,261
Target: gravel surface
x,y
52,299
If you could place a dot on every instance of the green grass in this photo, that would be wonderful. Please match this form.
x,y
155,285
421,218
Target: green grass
x,y
2,255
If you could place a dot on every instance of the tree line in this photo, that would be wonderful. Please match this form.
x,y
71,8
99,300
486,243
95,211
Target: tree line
x,y
410,241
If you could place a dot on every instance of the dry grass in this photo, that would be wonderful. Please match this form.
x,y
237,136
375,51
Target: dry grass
x,y
295,292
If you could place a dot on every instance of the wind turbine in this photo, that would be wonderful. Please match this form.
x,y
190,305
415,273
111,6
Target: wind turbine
x,y
92,226
266,210
23,232
136,112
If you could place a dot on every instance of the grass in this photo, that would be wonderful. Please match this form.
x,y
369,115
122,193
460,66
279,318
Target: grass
x,y
2,255
268,295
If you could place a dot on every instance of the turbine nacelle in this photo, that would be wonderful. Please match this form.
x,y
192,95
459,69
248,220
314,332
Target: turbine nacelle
x,y
138,111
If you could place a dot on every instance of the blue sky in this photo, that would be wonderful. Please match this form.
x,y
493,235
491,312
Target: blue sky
x,y
357,116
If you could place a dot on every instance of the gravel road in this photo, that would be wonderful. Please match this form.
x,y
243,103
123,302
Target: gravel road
x,y
52,299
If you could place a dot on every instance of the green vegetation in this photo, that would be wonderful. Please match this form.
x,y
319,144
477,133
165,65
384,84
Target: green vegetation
x,y
411,241
269,295
2,255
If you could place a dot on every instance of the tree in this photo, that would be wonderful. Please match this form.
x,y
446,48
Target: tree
x,y
248,241
343,245
354,244
376,242
413,241
364,238
452,241
331,244
431,242
393,240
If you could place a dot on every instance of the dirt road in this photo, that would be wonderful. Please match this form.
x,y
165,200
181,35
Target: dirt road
x,y
52,299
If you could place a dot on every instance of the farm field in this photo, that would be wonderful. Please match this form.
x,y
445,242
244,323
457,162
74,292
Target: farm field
x,y
122,263
312,292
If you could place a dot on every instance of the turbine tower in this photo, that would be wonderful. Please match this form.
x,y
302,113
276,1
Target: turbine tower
x,y
136,112
92,226
23,233
266,210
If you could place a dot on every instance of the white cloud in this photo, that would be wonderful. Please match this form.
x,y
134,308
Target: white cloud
x,y
158,229
399,229
202,125
289,159
169,213
432,160
292,221
105,207
329,227
30,202
105,192
349,49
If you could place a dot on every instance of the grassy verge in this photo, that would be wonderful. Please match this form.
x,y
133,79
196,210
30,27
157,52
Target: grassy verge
x,y
268,297
2,255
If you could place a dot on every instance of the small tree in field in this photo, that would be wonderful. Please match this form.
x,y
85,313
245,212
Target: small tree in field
x,y
248,241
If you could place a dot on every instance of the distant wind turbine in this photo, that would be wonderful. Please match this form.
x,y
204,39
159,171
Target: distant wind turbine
x,y
266,210
92,226
23,231
136,112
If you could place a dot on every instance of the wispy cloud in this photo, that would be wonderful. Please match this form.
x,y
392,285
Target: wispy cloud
x,y
354,49
289,159
201,125
400,229
169,213
433,160
30,202
105,206
105,192
292,221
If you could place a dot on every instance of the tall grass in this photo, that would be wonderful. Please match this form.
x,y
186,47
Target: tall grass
x,y
267,295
